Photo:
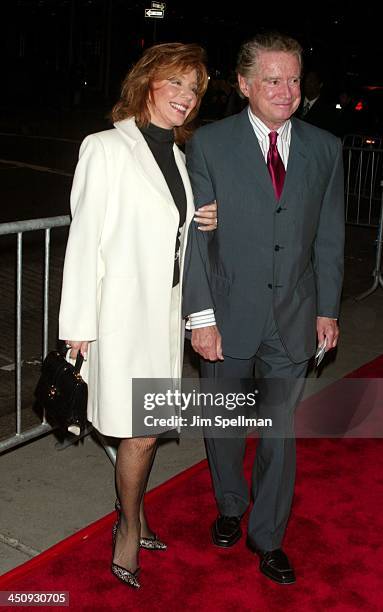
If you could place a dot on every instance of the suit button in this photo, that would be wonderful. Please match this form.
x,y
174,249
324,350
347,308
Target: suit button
x,y
270,286
277,247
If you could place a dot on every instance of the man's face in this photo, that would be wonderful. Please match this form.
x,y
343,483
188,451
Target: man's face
x,y
312,85
274,89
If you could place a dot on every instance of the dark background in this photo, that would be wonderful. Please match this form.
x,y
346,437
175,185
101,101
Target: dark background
x,y
68,53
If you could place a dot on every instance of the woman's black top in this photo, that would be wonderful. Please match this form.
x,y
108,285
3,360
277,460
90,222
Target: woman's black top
x,y
160,141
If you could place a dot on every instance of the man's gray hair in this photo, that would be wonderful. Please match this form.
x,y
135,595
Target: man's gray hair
x,y
269,41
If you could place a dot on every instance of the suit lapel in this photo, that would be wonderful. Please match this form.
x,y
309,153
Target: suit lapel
x,y
254,165
250,157
296,167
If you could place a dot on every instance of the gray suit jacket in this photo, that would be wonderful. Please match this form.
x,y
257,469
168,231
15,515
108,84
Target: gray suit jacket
x,y
284,255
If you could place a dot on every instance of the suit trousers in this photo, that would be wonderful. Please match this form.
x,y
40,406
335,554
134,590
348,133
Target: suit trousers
x,y
280,384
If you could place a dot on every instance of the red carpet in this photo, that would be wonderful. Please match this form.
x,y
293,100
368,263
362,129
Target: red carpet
x,y
334,539
350,407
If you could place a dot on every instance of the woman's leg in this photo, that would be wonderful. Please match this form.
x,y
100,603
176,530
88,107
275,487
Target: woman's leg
x,y
146,532
134,459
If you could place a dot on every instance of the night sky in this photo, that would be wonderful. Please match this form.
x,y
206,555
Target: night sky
x,y
53,44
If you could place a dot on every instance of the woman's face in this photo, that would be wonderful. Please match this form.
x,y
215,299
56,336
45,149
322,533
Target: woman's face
x,y
173,99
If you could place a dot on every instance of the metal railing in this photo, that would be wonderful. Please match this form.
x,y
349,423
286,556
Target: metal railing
x,y
19,228
363,163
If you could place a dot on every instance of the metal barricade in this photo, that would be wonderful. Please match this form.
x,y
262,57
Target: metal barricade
x,y
363,164
19,228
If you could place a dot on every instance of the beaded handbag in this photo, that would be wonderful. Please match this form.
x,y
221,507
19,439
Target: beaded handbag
x,y
63,393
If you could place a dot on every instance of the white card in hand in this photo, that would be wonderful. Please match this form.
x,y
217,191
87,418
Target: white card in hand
x,y
321,351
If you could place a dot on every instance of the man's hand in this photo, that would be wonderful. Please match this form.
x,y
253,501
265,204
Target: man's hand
x,y
327,329
207,342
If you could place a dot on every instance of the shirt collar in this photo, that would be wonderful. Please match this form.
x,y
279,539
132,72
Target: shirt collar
x,y
262,131
310,102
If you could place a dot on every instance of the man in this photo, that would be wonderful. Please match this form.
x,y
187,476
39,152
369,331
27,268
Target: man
x,y
314,108
266,285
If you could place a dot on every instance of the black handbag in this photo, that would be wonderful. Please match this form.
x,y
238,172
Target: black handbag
x,y
63,393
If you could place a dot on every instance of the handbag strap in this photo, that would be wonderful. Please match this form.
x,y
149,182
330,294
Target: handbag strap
x,y
79,362
63,350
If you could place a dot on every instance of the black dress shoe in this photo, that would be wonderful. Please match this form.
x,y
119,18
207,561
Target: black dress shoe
x,y
226,530
276,566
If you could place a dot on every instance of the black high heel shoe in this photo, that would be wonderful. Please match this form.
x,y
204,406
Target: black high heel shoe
x,y
126,576
152,543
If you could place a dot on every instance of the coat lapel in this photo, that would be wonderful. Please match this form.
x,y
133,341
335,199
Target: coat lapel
x,y
180,161
179,157
145,160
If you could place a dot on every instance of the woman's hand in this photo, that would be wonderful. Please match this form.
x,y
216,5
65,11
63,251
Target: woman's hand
x,y
207,216
76,346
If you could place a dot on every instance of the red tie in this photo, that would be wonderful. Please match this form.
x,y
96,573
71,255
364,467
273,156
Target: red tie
x,y
275,165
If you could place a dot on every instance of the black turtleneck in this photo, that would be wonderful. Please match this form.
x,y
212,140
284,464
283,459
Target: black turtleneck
x,y
161,141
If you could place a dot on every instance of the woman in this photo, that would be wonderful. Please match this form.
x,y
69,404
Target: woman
x,y
131,206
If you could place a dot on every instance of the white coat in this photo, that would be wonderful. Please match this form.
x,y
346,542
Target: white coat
x,y
118,270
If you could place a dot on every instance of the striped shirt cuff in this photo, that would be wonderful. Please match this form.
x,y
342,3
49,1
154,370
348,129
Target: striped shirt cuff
x,y
205,318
